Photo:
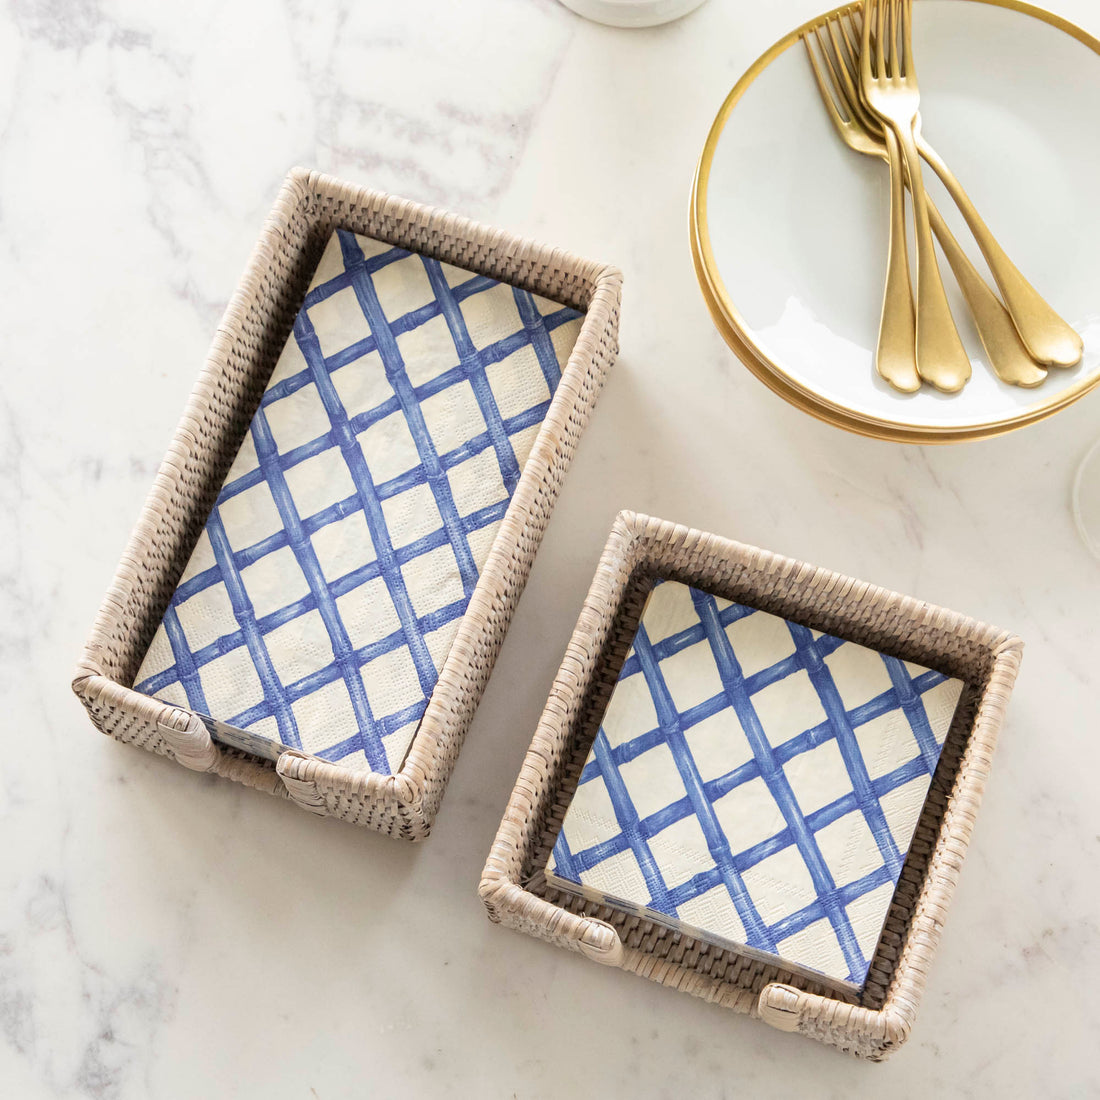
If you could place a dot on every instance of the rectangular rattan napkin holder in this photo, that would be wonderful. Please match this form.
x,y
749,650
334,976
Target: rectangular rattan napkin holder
x,y
640,549
247,345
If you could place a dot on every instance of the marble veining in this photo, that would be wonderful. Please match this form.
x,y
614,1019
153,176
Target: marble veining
x,y
141,146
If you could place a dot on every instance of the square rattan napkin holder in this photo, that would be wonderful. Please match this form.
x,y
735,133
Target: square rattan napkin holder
x,y
247,345
640,549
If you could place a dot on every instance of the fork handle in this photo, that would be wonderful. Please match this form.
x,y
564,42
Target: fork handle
x,y
895,356
941,357
1048,338
1003,348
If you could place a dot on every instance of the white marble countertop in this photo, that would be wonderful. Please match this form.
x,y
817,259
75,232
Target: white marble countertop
x,y
164,934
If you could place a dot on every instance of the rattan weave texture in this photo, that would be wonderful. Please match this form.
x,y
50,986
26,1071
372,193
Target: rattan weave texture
x,y
640,549
246,347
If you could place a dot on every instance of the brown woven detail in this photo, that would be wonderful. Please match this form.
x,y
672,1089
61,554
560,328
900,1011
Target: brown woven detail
x,y
248,770
641,549
190,742
530,914
152,724
246,347
138,723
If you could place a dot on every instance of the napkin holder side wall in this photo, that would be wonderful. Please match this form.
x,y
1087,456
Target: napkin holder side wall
x,y
245,349
513,885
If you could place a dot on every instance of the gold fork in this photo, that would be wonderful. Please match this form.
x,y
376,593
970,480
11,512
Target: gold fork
x,y
890,89
863,133
895,353
1047,337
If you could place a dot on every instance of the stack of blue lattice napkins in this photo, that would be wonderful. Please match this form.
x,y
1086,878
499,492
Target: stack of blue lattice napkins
x,y
755,784
324,594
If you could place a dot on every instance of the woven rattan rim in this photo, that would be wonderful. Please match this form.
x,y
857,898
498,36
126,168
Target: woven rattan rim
x,y
246,346
639,549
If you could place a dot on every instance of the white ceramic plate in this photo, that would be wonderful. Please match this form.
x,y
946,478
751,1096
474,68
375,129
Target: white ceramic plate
x,y
790,227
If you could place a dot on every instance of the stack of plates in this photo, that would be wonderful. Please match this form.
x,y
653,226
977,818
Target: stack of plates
x,y
789,227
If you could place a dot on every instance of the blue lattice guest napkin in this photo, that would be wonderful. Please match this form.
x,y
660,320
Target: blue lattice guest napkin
x,y
324,594
755,784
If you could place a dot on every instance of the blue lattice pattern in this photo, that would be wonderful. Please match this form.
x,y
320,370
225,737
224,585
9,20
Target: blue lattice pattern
x,y
755,783
326,589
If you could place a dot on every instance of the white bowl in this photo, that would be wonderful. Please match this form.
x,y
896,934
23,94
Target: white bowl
x,y
790,227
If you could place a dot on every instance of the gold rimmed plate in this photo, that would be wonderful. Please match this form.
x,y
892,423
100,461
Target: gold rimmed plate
x,y
789,228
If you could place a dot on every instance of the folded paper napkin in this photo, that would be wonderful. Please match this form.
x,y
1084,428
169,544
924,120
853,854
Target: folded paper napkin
x,y
326,589
755,784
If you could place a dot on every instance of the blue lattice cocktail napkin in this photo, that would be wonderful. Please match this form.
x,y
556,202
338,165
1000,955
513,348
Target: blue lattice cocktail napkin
x,y
326,589
755,784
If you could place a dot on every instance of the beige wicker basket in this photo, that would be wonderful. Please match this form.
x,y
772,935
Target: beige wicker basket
x,y
639,549
247,344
